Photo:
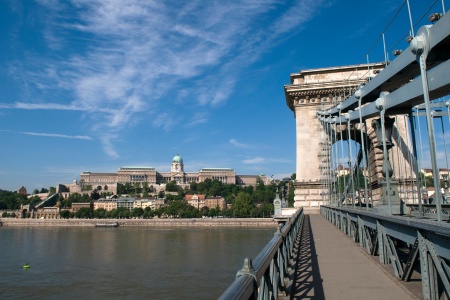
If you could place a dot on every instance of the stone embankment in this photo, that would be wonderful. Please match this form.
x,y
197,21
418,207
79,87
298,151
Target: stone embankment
x,y
219,222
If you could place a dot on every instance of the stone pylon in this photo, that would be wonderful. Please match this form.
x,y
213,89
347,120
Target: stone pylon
x,y
319,89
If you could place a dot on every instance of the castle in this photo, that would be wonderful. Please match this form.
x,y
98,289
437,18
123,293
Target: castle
x,y
150,176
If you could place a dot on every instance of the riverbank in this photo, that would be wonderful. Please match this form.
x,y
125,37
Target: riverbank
x,y
219,222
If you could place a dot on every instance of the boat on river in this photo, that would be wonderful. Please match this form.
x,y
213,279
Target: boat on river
x,y
109,224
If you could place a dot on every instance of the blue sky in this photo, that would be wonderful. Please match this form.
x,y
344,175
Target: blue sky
x,y
95,85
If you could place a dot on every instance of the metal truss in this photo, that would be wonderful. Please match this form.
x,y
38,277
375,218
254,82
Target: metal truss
x,y
408,245
268,275
429,210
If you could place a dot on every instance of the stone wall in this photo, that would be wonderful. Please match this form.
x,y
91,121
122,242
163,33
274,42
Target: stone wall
x,y
219,222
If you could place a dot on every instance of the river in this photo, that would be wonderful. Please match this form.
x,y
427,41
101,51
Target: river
x,y
124,263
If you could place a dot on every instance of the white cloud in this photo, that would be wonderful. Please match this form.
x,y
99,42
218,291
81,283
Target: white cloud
x,y
253,161
107,140
165,120
129,55
57,135
235,143
198,119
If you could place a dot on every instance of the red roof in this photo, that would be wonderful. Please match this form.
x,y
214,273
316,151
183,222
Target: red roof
x,y
200,197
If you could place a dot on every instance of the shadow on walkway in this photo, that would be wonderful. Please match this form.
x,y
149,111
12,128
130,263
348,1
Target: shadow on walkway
x,y
307,281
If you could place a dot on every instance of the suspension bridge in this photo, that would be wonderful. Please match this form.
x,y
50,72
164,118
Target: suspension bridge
x,y
380,234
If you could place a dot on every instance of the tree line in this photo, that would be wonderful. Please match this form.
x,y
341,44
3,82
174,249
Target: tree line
x,y
246,201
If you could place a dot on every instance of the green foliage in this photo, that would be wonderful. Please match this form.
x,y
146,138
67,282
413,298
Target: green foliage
x,y
12,200
246,201
8,215
74,198
291,195
172,186
179,209
84,213
242,205
64,214
427,181
136,212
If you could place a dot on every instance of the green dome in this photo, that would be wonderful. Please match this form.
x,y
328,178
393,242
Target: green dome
x,y
177,159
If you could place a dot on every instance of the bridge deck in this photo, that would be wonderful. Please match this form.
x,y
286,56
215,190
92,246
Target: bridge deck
x,y
331,266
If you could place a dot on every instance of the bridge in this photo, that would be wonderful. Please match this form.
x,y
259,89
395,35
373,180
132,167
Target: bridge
x,y
364,134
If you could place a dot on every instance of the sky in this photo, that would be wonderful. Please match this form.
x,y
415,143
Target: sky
x,y
90,85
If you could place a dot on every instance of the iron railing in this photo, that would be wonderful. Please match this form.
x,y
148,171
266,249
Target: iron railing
x,y
267,276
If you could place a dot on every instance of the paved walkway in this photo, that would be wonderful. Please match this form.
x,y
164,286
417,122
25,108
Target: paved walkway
x,y
332,266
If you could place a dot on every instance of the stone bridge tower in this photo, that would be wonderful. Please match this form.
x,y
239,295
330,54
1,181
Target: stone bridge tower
x,y
318,89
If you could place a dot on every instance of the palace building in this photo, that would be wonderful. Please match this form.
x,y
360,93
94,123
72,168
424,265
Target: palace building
x,y
149,175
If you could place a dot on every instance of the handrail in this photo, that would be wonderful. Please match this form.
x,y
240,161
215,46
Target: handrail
x,y
269,272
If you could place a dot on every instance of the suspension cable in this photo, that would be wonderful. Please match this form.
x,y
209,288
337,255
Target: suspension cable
x,y
350,160
342,157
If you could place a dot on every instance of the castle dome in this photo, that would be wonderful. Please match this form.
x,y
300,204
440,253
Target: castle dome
x,y
177,159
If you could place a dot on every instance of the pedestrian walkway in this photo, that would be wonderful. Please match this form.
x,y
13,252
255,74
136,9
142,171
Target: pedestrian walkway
x,y
331,266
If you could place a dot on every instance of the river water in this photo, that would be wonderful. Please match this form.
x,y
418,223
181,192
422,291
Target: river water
x,y
124,263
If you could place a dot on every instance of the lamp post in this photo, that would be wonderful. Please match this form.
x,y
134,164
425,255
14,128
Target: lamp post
x,y
277,204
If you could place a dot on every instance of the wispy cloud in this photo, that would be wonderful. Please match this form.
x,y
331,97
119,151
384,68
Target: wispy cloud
x,y
57,135
197,119
165,120
53,106
107,142
253,161
129,57
237,144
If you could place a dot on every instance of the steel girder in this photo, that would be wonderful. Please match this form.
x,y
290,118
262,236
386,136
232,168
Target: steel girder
x,y
402,77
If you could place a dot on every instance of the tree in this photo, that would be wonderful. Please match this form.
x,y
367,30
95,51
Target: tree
x,y
427,181
137,188
136,212
193,187
291,194
64,214
172,186
242,205
100,213
148,213
83,213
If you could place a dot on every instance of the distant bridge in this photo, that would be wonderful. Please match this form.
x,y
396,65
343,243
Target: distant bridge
x,y
391,111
